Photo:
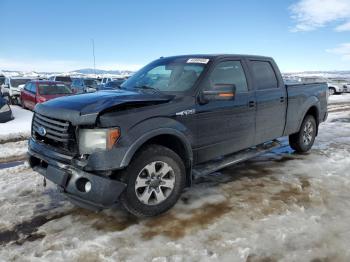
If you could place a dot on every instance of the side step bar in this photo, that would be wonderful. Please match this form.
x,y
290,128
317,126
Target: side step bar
x,y
235,158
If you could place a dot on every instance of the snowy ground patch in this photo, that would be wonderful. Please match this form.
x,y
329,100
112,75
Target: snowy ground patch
x,y
16,129
13,151
342,98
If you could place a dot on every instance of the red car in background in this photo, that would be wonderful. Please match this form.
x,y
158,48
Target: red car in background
x,y
39,91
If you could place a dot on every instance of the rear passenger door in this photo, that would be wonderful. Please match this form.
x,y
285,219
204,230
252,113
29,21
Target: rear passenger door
x,y
225,126
271,101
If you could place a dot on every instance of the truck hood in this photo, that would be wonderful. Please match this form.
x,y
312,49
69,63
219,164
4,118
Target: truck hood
x,y
83,109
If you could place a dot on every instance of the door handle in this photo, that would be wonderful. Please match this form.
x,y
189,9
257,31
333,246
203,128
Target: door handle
x,y
282,99
251,104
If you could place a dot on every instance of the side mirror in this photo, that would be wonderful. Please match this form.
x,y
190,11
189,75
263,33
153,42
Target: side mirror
x,y
219,92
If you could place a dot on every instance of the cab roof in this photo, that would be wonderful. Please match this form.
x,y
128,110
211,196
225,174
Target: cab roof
x,y
219,56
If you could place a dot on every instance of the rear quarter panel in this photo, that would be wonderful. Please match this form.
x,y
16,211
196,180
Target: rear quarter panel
x,y
301,98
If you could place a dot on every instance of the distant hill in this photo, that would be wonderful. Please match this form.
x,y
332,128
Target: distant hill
x,y
100,71
321,74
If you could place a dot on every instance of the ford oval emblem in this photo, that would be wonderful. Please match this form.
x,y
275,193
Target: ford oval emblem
x,y
42,131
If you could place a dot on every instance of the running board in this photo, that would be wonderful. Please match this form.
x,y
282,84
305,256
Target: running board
x,y
235,158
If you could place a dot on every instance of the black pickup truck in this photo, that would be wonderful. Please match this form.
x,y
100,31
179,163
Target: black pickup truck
x,y
175,118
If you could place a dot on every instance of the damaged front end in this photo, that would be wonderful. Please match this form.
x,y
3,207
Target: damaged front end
x,y
69,147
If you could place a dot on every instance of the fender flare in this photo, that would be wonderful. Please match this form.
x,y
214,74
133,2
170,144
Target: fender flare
x,y
149,135
312,101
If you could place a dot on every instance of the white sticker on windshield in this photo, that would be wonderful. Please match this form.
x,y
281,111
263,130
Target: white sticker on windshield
x,y
198,61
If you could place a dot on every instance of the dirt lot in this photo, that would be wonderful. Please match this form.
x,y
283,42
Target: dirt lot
x,y
277,207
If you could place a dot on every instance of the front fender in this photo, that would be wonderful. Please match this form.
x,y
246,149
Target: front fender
x,y
151,134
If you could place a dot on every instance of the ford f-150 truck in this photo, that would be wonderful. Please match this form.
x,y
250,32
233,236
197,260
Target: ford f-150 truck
x,y
176,118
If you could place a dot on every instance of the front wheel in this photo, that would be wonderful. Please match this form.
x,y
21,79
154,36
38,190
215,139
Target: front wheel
x,y
155,179
305,138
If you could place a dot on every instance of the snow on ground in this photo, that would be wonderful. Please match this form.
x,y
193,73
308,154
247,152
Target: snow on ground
x,y
13,151
279,206
342,98
19,128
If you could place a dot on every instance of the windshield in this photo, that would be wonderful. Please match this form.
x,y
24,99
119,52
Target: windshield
x,y
90,82
54,89
167,75
63,79
17,82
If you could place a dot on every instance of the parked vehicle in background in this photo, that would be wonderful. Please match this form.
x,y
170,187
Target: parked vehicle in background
x,y
347,87
2,80
174,119
5,110
337,86
105,80
84,85
39,91
63,79
11,90
115,84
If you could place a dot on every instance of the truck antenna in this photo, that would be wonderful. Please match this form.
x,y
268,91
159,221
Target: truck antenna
x,y
93,54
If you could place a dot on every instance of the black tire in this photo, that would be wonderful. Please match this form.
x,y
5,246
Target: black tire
x,y
302,141
332,91
146,157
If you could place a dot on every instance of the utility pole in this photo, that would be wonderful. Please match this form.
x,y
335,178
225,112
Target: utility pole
x,y
93,54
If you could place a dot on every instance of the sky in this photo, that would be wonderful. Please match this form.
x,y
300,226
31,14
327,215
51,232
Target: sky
x,y
56,35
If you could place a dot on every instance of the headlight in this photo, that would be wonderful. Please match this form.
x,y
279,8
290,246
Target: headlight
x,y
5,108
94,140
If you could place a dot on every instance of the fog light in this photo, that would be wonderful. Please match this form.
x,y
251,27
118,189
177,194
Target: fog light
x,y
83,185
87,187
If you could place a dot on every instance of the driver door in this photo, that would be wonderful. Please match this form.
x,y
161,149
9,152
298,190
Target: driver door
x,y
225,126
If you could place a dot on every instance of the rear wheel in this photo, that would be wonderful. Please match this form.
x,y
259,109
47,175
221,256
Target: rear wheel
x,y
155,179
331,91
305,138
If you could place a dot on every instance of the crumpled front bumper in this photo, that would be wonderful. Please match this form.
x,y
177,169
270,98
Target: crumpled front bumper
x,y
103,191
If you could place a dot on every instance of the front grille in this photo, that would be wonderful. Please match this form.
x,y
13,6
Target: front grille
x,y
57,133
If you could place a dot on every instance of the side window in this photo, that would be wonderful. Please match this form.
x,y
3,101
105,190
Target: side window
x,y
229,72
264,75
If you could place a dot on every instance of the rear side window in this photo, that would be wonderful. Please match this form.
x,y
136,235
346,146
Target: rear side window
x,y
229,72
264,75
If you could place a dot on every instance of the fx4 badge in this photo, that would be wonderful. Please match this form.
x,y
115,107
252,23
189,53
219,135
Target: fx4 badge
x,y
186,112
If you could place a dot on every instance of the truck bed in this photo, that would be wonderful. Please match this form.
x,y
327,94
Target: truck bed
x,y
300,97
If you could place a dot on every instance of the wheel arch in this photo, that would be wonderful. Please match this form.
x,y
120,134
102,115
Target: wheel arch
x,y
313,111
167,137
